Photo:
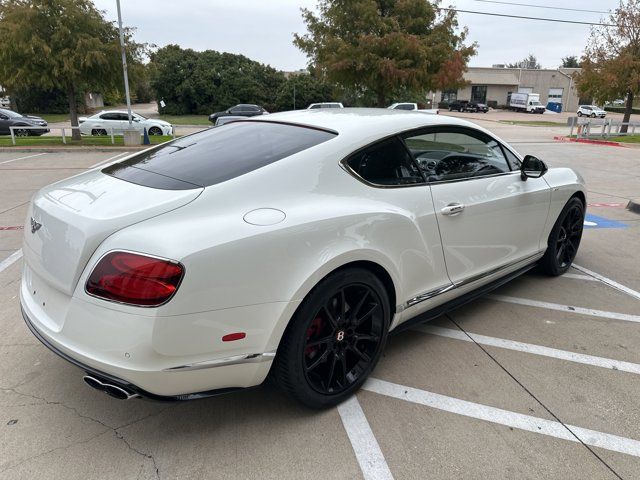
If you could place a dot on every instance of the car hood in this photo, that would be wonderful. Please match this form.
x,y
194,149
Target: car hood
x,y
32,119
161,123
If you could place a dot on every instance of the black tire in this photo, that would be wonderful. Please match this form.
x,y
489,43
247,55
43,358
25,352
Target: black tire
x,y
593,115
99,132
564,239
21,132
327,352
155,131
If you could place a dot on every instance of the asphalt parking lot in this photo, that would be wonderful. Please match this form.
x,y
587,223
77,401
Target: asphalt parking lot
x,y
538,380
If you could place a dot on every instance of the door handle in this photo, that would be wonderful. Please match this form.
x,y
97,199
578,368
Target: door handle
x,y
453,209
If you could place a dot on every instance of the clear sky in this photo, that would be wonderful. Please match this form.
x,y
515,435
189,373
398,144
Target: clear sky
x,y
263,29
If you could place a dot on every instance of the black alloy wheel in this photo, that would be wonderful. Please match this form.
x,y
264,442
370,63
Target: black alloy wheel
x,y
21,132
342,339
99,132
564,239
155,131
335,339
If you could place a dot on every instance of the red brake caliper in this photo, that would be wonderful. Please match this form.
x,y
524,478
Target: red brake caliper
x,y
314,330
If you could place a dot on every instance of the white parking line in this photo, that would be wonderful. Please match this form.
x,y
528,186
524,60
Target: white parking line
x,y
364,443
577,276
101,162
609,282
22,158
528,423
533,349
565,308
10,260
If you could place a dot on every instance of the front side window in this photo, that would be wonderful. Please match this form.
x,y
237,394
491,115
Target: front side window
x,y
404,106
386,163
456,154
109,116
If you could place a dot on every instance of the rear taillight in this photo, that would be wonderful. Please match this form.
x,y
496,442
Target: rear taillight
x,y
134,279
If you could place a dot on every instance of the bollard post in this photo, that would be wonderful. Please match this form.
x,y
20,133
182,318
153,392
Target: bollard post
x,y
113,140
64,137
13,136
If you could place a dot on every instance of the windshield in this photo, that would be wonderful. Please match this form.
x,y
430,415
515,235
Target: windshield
x,y
10,113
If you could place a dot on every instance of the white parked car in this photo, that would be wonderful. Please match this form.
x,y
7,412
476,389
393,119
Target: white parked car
x,y
290,243
413,107
591,111
118,120
315,106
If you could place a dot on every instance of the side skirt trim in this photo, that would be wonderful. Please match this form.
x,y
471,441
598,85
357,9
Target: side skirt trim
x,y
462,300
446,288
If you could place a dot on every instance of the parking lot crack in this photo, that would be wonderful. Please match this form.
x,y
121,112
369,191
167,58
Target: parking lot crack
x,y
534,397
114,429
139,452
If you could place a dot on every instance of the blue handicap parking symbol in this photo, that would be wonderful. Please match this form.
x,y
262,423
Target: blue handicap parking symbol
x,y
594,221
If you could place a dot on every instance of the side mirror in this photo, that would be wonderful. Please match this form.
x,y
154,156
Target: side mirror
x,y
532,167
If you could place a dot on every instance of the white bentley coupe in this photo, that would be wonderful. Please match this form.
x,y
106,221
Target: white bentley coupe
x,y
289,244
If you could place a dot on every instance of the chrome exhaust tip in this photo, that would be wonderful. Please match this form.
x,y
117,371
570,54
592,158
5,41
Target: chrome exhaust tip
x,y
112,390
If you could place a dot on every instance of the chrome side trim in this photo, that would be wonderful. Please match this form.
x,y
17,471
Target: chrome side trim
x,y
475,278
424,296
223,362
439,291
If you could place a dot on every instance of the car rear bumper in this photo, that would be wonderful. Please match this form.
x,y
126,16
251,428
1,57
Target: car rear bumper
x,y
165,358
111,379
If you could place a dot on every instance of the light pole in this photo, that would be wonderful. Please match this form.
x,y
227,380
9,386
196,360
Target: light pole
x,y
124,66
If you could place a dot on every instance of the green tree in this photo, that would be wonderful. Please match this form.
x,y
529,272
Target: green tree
x,y
60,45
308,89
529,62
611,61
570,61
385,46
204,82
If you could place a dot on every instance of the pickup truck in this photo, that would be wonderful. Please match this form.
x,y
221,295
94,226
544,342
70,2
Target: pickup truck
x,y
467,106
413,107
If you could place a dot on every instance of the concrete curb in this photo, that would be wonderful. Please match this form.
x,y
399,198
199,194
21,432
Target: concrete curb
x,y
79,148
634,206
587,140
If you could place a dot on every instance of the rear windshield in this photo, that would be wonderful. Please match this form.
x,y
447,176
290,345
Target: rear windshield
x,y
217,154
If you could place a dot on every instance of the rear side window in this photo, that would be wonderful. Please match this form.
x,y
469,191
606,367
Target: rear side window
x,y
386,163
216,155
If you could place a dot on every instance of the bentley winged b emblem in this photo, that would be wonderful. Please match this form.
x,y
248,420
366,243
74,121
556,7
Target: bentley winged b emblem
x,y
35,226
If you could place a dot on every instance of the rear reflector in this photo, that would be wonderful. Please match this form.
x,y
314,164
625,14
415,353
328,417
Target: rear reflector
x,y
234,336
134,279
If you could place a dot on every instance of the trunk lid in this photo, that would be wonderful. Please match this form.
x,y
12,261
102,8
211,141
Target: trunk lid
x,y
68,220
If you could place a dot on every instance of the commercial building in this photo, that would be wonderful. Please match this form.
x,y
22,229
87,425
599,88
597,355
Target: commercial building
x,y
492,86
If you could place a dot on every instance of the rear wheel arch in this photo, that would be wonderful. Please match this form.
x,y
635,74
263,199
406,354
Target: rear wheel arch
x,y
288,367
376,268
